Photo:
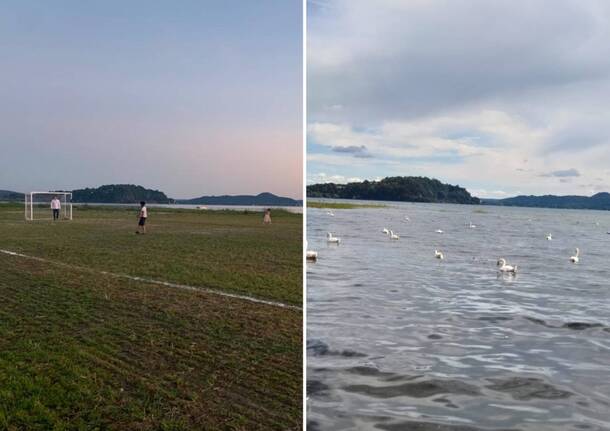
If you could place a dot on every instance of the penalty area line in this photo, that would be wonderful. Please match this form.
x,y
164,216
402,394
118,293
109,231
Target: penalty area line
x,y
157,282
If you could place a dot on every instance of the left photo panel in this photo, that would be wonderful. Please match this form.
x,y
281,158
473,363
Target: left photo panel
x,y
151,215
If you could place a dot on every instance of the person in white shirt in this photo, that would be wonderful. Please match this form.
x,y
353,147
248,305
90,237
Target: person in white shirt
x,y
55,207
142,216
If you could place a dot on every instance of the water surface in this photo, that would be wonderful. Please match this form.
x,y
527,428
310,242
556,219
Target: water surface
x,y
398,340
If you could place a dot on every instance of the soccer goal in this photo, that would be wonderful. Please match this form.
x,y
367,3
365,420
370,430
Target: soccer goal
x,y
40,205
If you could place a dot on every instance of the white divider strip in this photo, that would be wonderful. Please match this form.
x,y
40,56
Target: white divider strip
x,y
158,282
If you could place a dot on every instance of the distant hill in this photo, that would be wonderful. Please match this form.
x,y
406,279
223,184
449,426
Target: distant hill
x,y
119,194
404,189
7,195
599,201
262,199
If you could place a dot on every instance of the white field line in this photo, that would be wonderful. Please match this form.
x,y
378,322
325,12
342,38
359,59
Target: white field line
x,y
158,282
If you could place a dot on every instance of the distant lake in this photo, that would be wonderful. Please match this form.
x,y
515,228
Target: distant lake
x,y
400,340
258,208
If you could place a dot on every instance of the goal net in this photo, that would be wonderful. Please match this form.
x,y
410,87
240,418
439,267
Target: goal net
x,y
40,205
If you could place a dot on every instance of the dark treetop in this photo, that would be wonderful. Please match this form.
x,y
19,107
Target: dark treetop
x,y
119,194
407,189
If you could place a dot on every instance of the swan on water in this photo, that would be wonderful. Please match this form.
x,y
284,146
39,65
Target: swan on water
x,y
438,231
407,218
472,226
503,267
330,213
332,239
393,235
549,237
386,231
575,258
439,254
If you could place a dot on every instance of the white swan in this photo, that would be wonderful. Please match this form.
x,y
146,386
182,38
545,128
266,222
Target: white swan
x,y
506,268
472,226
438,231
332,239
575,258
439,254
330,213
549,237
386,231
393,235
407,218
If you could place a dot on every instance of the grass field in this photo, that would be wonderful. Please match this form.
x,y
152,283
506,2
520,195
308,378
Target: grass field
x,y
84,350
341,205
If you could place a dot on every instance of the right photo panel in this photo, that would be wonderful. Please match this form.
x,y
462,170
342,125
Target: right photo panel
x,y
458,232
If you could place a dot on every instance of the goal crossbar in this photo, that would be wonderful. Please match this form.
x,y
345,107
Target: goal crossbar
x,y
38,205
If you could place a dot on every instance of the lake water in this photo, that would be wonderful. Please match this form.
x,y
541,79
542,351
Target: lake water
x,y
399,340
257,208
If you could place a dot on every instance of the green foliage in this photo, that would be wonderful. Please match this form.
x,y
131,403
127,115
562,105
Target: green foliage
x,y
405,189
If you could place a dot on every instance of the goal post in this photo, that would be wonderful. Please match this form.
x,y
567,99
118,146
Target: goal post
x,y
38,205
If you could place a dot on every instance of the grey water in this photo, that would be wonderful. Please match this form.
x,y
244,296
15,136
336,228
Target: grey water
x,y
400,340
255,208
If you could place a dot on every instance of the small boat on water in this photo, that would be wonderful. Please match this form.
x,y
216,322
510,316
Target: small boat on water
x,y
311,256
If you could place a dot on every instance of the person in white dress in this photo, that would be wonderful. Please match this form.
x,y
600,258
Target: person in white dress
x,y
267,217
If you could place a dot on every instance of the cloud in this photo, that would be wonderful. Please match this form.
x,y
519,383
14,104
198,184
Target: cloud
x,y
355,150
458,136
338,179
448,56
503,107
491,194
562,173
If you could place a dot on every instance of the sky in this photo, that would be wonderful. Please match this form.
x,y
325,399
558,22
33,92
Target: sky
x,y
501,98
192,97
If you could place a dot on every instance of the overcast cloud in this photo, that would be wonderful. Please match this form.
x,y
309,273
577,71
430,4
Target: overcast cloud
x,y
497,98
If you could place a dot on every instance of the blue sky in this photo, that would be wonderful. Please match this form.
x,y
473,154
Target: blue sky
x,y
189,97
502,100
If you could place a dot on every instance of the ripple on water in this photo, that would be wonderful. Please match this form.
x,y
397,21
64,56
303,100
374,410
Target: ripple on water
x,y
422,389
527,388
